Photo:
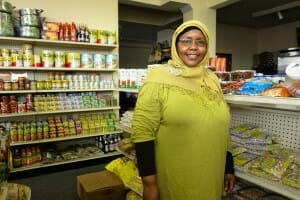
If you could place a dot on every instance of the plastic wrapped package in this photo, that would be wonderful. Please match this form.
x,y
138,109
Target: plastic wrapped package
x,y
292,177
237,130
276,166
243,158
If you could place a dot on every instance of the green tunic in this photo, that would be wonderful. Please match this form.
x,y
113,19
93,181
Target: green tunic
x,y
191,133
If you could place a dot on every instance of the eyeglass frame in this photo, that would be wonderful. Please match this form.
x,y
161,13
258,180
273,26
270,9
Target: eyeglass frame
x,y
188,42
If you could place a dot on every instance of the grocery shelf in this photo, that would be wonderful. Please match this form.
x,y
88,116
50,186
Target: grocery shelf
x,y
286,103
56,43
4,115
74,90
17,91
128,90
78,110
274,186
41,165
13,68
65,69
73,137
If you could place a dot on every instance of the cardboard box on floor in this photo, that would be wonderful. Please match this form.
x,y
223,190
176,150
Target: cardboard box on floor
x,y
103,185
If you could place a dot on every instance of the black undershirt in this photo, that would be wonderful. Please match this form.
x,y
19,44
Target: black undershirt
x,y
146,159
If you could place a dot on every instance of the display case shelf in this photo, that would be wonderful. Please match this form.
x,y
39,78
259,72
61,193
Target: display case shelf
x,y
73,137
273,186
285,103
41,165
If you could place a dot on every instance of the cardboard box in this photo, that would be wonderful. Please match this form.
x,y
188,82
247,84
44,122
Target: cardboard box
x,y
102,185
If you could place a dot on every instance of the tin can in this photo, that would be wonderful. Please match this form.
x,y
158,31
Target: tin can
x,y
102,37
93,36
111,37
111,61
86,60
33,85
47,58
7,85
59,59
37,60
73,60
7,61
27,60
5,52
17,60
99,61
27,49
15,85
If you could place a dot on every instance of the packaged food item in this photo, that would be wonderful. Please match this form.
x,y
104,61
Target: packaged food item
x,y
277,91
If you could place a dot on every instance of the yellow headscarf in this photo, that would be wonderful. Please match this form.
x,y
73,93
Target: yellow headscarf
x,y
177,62
197,79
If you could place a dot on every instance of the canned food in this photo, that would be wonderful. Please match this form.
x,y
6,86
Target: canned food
x,y
73,60
28,60
7,85
17,60
111,37
27,49
33,85
7,61
111,61
59,59
5,52
93,36
15,85
102,37
99,61
86,60
47,58
21,82
37,60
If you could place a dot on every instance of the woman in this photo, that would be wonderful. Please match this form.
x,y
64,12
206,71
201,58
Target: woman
x,y
181,124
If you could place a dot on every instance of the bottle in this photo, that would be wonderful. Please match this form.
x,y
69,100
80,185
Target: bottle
x,y
111,144
17,159
105,144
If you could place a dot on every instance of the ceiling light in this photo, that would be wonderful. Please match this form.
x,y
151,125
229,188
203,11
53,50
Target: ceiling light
x,y
280,16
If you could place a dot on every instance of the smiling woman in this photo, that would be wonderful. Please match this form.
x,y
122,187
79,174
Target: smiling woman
x,y
181,153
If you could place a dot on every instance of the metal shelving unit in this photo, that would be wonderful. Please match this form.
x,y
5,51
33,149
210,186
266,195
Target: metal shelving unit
x,y
280,116
41,73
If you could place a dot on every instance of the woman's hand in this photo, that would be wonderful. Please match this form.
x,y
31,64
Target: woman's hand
x,y
150,188
229,182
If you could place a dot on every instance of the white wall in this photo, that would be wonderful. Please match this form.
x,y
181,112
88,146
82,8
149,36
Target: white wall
x,y
238,41
244,43
94,13
278,37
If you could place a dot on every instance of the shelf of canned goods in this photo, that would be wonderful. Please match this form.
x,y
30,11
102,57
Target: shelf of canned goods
x,y
55,94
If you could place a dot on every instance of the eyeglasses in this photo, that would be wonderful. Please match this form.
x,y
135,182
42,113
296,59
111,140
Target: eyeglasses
x,y
189,42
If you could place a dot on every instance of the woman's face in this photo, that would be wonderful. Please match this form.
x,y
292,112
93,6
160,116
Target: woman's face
x,y
192,47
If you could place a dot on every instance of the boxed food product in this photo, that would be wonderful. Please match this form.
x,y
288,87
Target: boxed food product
x,y
102,185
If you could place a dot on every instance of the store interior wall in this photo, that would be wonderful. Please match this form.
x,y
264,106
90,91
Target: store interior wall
x,y
93,13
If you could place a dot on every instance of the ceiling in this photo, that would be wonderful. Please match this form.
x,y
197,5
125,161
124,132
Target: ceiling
x,y
256,14
259,14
